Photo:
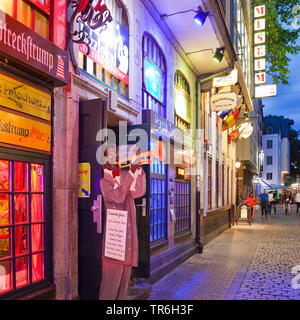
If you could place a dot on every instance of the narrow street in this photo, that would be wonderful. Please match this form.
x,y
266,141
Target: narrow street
x,y
244,263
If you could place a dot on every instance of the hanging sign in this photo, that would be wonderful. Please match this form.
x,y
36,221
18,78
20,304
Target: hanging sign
x,y
246,130
229,80
84,180
223,101
265,91
22,97
24,132
260,78
116,234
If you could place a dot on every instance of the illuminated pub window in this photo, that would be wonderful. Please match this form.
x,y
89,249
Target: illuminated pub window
x,y
32,13
158,218
182,102
22,224
154,77
108,60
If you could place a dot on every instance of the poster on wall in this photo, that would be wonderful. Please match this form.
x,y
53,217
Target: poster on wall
x,y
84,180
154,80
115,236
109,49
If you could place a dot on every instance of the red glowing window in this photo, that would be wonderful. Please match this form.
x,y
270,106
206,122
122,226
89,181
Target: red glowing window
x,y
32,13
22,224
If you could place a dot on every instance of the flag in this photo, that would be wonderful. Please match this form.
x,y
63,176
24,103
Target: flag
x,y
234,134
224,114
231,120
60,68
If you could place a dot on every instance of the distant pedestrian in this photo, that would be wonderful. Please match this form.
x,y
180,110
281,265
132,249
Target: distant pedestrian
x,y
251,202
297,200
275,201
264,203
270,202
286,202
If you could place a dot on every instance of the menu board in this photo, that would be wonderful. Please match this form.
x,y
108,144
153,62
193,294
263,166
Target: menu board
x,y
115,236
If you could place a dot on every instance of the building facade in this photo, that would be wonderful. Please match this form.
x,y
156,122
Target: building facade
x,y
276,148
143,72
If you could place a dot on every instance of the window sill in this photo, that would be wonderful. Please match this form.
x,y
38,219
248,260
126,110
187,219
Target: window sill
x,y
47,293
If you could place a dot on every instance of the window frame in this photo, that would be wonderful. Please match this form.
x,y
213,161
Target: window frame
x,y
179,78
34,8
25,156
269,176
269,144
154,48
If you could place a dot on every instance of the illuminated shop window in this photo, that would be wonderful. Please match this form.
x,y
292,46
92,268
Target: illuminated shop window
x,y
108,60
158,217
154,77
22,224
32,13
182,102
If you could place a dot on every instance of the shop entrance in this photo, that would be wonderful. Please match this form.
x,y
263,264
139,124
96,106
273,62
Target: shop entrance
x,y
92,118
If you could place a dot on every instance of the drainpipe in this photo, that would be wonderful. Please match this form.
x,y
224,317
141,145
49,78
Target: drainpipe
x,y
198,149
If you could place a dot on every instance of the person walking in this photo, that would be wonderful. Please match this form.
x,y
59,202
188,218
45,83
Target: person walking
x,y
251,202
270,202
297,200
264,203
286,202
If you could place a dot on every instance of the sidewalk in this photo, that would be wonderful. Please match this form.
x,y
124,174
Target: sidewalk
x,y
246,262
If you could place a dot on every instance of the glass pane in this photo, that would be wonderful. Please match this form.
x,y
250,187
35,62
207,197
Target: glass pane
x,y
36,207
21,177
22,272
37,237
21,240
5,242
37,178
24,13
7,6
4,210
5,276
4,176
37,267
21,208
41,24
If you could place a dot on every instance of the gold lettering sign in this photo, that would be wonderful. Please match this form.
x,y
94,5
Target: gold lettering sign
x,y
24,132
22,97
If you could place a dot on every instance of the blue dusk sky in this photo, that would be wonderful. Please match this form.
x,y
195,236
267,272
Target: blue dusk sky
x,y
287,101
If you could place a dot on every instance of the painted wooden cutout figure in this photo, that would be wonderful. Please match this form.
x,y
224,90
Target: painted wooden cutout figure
x,y
119,189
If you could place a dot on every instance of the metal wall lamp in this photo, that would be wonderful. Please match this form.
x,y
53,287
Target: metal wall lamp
x,y
218,54
199,18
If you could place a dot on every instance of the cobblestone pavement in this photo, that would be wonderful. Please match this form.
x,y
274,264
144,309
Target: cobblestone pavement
x,y
244,263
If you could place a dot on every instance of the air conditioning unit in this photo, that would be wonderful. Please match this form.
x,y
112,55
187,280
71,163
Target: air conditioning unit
x,y
112,100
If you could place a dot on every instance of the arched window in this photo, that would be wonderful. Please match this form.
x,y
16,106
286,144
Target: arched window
x,y
109,57
182,102
154,76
